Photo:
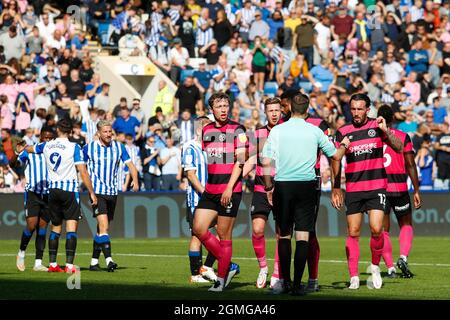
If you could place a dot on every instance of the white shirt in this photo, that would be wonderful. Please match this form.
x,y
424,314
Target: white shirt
x,y
180,58
58,44
42,102
323,36
392,72
172,165
61,157
232,55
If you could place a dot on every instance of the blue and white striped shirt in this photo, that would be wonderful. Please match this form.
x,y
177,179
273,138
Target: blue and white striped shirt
x,y
204,36
36,173
61,157
194,158
103,165
89,128
174,15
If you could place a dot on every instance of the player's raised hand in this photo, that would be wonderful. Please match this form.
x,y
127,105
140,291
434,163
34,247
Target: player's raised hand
x,y
337,199
382,124
417,200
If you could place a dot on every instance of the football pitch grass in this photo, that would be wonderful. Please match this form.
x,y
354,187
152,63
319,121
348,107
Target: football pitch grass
x,y
159,269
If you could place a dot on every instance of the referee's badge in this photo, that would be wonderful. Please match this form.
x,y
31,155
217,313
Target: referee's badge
x,y
242,138
189,159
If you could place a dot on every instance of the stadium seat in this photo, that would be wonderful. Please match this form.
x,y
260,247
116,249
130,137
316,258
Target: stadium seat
x,y
270,89
186,73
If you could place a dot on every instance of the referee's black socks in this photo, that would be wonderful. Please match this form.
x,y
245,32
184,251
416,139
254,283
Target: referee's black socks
x,y
301,254
284,253
53,242
71,246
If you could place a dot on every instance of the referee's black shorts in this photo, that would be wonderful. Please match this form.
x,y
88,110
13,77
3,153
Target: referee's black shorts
x,y
105,205
294,204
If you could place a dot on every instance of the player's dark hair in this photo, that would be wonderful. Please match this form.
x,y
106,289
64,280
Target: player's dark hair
x,y
65,126
386,112
360,97
47,129
289,94
218,96
300,104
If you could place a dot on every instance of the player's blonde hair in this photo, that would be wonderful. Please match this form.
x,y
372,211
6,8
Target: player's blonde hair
x,y
103,123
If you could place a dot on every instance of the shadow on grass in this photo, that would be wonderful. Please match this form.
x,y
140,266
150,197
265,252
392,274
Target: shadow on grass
x,y
56,289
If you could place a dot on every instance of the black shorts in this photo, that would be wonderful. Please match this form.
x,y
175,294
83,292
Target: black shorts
x,y
105,205
401,205
294,204
36,205
260,205
360,202
64,205
212,202
256,69
443,170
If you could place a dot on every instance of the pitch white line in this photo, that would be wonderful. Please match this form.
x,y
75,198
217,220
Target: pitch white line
x,y
446,265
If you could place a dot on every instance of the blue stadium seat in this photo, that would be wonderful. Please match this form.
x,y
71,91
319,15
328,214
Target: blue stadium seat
x,y
186,73
270,89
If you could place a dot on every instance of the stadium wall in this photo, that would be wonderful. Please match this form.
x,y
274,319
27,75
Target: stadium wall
x,y
162,215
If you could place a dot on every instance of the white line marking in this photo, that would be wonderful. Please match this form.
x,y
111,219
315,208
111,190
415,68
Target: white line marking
x,y
143,255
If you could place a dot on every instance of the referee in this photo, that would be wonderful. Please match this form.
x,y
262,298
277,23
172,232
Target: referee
x,y
294,193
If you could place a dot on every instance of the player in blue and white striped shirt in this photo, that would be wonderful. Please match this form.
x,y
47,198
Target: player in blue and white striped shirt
x,y
104,158
36,203
63,159
195,165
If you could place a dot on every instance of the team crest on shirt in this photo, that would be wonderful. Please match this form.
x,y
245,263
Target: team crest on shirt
x,y
222,137
242,138
189,159
371,133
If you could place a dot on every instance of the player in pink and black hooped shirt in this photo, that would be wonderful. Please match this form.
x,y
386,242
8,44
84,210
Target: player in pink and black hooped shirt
x,y
398,167
260,207
226,145
366,183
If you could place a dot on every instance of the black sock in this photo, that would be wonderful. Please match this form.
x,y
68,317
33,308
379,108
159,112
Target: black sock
x,y
40,243
53,242
96,248
105,243
71,246
301,253
26,237
284,252
194,258
209,261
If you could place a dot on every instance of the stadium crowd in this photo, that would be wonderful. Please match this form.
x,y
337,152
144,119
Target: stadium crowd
x,y
398,52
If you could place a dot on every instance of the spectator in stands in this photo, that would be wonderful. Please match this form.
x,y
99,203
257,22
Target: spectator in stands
x,y
63,101
248,101
150,159
6,116
202,78
259,61
76,135
439,112
188,97
159,55
342,24
258,28
8,144
186,125
304,38
102,100
13,44
179,59
211,52
38,121
186,31
223,29
127,124
22,112
232,52
425,163
170,161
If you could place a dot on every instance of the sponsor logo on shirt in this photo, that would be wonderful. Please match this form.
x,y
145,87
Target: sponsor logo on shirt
x,y
363,148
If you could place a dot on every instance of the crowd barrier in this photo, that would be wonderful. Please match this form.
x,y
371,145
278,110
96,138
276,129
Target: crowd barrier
x,y
163,215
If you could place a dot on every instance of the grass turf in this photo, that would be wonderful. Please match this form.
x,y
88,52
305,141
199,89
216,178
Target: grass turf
x,y
159,269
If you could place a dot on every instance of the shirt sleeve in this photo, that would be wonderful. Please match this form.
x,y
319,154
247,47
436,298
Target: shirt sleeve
x,y
125,157
39,148
189,159
407,145
270,147
326,145
78,155
23,157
